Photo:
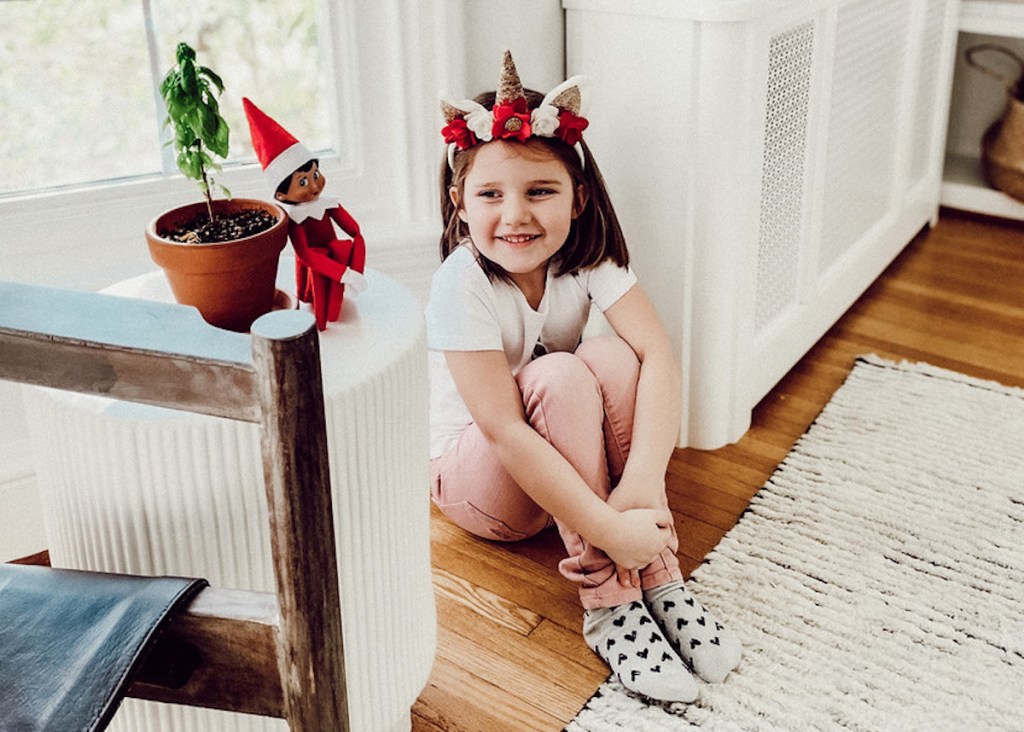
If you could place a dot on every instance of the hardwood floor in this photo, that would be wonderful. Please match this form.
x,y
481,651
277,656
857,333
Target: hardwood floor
x,y
510,654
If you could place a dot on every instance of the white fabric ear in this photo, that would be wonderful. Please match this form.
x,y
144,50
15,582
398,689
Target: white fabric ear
x,y
544,119
478,118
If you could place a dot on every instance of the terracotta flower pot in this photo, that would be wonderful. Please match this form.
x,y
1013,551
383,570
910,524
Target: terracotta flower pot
x,y
230,283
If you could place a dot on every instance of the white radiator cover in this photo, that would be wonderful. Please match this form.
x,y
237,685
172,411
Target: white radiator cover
x,y
767,160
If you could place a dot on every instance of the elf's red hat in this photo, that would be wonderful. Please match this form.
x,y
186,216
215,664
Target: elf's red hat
x,y
278,151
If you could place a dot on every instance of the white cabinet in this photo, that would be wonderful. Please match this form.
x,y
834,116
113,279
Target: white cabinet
x,y
978,101
768,159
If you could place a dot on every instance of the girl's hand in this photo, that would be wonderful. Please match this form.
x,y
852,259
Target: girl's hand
x,y
636,494
634,539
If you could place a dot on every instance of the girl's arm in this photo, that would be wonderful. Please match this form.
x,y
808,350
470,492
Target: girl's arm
x,y
631,538
658,396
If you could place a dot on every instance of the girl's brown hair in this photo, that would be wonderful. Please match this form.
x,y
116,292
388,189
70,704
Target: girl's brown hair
x,y
595,234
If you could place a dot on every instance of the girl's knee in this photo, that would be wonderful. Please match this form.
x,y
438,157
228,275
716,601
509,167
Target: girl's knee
x,y
562,399
607,351
611,360
555,371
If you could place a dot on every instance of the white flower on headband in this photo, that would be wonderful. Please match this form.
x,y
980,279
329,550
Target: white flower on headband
x,y
544,120
478,120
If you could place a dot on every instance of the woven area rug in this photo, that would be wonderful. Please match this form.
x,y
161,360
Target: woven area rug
x,y
877,580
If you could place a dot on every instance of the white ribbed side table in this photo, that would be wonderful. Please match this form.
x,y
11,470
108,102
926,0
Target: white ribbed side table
x,y
138,489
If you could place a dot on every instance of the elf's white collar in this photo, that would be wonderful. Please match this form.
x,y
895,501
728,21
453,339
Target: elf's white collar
x,y
299,212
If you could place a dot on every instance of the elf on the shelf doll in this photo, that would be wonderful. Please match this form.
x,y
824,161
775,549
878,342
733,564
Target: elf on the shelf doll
x,y
324,264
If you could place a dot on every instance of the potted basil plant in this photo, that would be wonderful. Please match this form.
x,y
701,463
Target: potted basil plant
x,y
219,255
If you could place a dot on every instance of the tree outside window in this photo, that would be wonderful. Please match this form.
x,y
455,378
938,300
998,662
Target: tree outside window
x,y
79,80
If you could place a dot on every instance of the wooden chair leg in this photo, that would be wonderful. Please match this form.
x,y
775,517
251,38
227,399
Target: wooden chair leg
x,y
310,646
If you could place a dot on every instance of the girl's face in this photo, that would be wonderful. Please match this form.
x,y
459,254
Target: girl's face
x,y
519,203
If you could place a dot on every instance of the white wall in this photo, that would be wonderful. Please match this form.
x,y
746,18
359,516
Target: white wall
x,y
534,32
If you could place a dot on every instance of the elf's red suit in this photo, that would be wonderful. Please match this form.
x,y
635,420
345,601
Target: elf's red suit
x,y
324,264
322,260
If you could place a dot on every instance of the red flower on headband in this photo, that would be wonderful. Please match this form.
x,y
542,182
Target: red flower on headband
x,y
458,132
511,121
571,126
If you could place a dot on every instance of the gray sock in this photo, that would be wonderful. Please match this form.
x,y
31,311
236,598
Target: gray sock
x,y
711,650
630,642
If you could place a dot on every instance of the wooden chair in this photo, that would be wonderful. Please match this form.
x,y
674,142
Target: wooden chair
x,y
260,654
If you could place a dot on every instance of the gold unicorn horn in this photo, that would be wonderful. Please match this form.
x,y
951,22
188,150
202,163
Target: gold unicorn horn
x,y
510,88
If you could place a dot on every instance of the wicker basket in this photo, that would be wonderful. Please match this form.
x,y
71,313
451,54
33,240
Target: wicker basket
x,y
1003,151
1003,143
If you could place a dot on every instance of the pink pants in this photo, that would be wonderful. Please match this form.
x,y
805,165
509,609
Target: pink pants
x,y
582,403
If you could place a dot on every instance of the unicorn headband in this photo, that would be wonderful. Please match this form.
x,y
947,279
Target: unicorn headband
x,y
558,115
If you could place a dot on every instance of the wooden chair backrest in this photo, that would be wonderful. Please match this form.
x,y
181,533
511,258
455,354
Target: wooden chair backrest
x,y
278,656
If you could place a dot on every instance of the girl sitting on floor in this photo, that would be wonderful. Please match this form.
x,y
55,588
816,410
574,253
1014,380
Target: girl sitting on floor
x,y
532,425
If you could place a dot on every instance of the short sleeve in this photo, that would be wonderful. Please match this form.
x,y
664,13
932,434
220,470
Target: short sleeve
x,y
461,314
607,282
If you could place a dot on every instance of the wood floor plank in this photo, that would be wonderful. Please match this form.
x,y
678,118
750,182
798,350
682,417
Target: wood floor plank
x,y
456,700
524,686
573,672
533,586
705,503
488,604
422,724
954,298
570,644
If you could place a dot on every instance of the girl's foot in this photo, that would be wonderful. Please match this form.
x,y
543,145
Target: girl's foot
x,y
630,642
711,649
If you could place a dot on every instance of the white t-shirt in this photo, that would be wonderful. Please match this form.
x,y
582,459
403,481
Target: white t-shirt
x,y
468,312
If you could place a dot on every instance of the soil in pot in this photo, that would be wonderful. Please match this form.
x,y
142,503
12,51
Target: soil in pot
x,y
226,227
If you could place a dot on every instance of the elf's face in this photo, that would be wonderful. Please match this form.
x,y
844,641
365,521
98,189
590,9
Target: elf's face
x,y
305,186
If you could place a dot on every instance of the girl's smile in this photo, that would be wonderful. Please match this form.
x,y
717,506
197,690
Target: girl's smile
x,y
519,203
516,240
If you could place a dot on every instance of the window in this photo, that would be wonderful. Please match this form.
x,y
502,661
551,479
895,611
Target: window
x,y
82,171
79,80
